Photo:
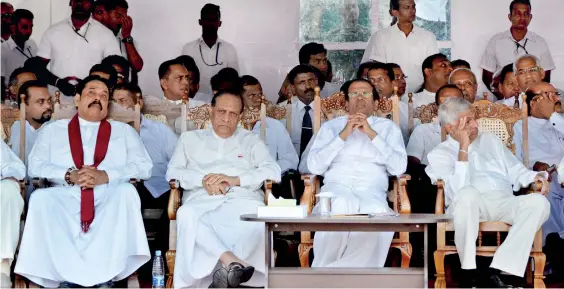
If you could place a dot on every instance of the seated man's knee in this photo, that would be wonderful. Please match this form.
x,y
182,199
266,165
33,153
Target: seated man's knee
x,y
467,195
9,191
538,203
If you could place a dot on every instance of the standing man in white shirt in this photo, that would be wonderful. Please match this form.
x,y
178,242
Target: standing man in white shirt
x,y
356,154
480,174
403,43
121,25
509,87
7,11
303,81
38,111
505,46
72,46
209,51
19,47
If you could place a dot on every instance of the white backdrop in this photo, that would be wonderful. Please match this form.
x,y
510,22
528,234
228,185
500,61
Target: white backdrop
x,y
265,32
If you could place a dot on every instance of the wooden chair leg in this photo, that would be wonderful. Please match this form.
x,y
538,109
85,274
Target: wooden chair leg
x,y
540,262
170,258
529,272
406,251
303,251
19,282
439,257
133,281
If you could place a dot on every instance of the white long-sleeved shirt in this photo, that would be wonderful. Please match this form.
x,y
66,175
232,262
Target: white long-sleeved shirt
x,y
279,144
202,152
546,139
425,138
358,160
159,141
491,167
30,136
11,165
126,157
561,171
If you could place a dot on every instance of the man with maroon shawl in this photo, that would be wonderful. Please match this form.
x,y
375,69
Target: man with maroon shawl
x,y
86,229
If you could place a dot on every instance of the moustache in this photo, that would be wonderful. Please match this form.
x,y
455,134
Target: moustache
x,y
48,112
96,102
309,90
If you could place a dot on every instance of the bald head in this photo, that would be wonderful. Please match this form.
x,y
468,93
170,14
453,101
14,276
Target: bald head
x,y
543,100
528,71
465,80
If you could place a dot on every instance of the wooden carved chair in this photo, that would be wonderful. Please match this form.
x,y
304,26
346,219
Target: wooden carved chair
x,y
335,106
9,116
425,113
164,111
498,119
201,117
116,113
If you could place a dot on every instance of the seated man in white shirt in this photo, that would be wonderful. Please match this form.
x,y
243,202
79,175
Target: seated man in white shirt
x,y
18,77
436,71
106,72
89,222
480,175
509,87
194,74
277,138
221,170
424,139
546,150
400,79
382,76
12,170
344,150
121,65
226,78
466,81
38,111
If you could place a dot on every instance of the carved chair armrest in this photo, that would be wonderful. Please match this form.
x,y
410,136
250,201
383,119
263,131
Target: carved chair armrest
x,y
174,199
267,190
404,204
40,183
440,202
311,189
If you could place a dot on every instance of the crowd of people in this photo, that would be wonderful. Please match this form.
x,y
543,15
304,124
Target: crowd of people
x,y
87,228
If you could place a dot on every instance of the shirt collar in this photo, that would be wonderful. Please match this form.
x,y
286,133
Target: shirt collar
x,y
84,122
538,121
172,101
529,36
219,40
413,31
300,105
12,44
83,27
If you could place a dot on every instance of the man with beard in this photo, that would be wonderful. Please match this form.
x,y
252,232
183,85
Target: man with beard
x,y
465,80
344,150
400,78
509,87
89,222
302,80
38,110
72,47
7,11
209,51
505,46
19,47
121,25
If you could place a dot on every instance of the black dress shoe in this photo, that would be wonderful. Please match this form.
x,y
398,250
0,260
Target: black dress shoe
x,y
492,280
232,276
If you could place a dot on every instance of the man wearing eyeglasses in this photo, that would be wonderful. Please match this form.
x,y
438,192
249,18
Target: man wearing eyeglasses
x,y
505,46
19,47
210,52
546,150
465,80
344,150
7,10
71,47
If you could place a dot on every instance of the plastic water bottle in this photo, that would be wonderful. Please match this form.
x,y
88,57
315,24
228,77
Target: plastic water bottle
x,y
158,271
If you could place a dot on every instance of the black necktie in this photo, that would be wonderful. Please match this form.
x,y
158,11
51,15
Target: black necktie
x,y
307,130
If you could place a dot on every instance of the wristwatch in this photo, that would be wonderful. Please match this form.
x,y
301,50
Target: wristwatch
x,y
127,40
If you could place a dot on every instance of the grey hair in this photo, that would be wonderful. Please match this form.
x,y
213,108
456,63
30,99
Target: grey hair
x,y
462,69
451,109
536,59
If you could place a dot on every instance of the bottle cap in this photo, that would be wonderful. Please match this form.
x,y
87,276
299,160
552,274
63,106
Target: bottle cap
x,y
158,253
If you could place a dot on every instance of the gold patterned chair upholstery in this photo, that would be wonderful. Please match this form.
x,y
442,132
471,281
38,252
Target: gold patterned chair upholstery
x,y
335,106
201,117
9,116
497,119
162,111
424,113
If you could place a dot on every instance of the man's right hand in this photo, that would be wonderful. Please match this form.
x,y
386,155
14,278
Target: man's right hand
x,y
65,87
461,134
353,122
216,189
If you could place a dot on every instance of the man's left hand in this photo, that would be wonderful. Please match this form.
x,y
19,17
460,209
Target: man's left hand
x,y
214,179
545,184
365,127
126,26
89,177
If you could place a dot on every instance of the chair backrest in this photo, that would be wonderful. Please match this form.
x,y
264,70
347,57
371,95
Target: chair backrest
x,y
9,116
130,116
425,113
62,111
162,111
497,119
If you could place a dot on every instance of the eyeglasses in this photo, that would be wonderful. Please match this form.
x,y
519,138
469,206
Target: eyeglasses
x,y
359,94
403,77
255,95
549,94
528,70
7,15
465,84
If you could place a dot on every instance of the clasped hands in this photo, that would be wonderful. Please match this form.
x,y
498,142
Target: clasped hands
x,y
360,121
219,184
88,177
